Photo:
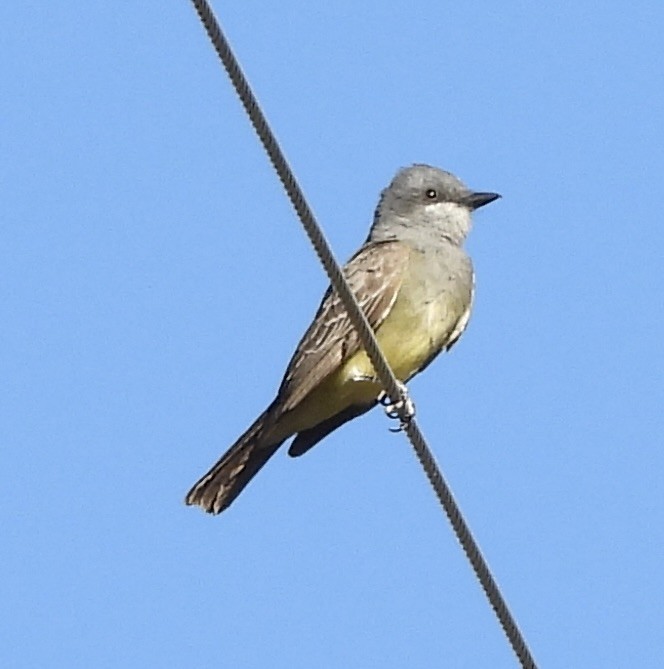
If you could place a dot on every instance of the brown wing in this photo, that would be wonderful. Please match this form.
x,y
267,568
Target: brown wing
x,y
374,274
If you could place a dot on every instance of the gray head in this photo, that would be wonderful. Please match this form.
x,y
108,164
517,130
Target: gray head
x,y
424,204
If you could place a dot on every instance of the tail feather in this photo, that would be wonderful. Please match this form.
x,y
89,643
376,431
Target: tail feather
x,y
307,439
215,491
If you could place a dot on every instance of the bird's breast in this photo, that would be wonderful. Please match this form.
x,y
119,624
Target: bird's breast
x,y
429,314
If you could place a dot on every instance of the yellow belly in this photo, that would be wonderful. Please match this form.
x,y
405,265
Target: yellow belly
x,y
408,337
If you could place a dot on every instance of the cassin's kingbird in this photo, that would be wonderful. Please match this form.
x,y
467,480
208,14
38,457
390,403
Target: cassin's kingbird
x,y
415,284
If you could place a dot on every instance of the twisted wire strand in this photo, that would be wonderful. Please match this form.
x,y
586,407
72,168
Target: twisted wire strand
x,y
360,322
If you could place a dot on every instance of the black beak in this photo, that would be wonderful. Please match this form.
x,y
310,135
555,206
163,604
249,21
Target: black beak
x,y
477,200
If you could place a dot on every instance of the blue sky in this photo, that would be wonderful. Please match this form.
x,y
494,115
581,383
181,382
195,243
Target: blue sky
x,y
155,283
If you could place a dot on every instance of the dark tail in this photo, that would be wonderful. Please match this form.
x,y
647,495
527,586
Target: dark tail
x,y
309,438
241,462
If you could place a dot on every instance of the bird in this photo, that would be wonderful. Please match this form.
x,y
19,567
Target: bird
x,y
415,283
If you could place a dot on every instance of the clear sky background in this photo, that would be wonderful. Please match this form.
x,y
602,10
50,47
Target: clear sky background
x,y
155,282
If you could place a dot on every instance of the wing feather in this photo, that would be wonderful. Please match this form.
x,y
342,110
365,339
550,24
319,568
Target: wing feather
x,y
374,274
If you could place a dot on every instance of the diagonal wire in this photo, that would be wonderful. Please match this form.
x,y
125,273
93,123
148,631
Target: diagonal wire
x,y
360,322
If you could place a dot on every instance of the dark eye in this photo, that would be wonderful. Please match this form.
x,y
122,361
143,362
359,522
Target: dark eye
x,y
431,194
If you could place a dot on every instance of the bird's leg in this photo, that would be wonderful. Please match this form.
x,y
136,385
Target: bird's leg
x,y
403,408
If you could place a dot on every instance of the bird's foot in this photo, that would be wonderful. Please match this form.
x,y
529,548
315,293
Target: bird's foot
x,y
403,408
